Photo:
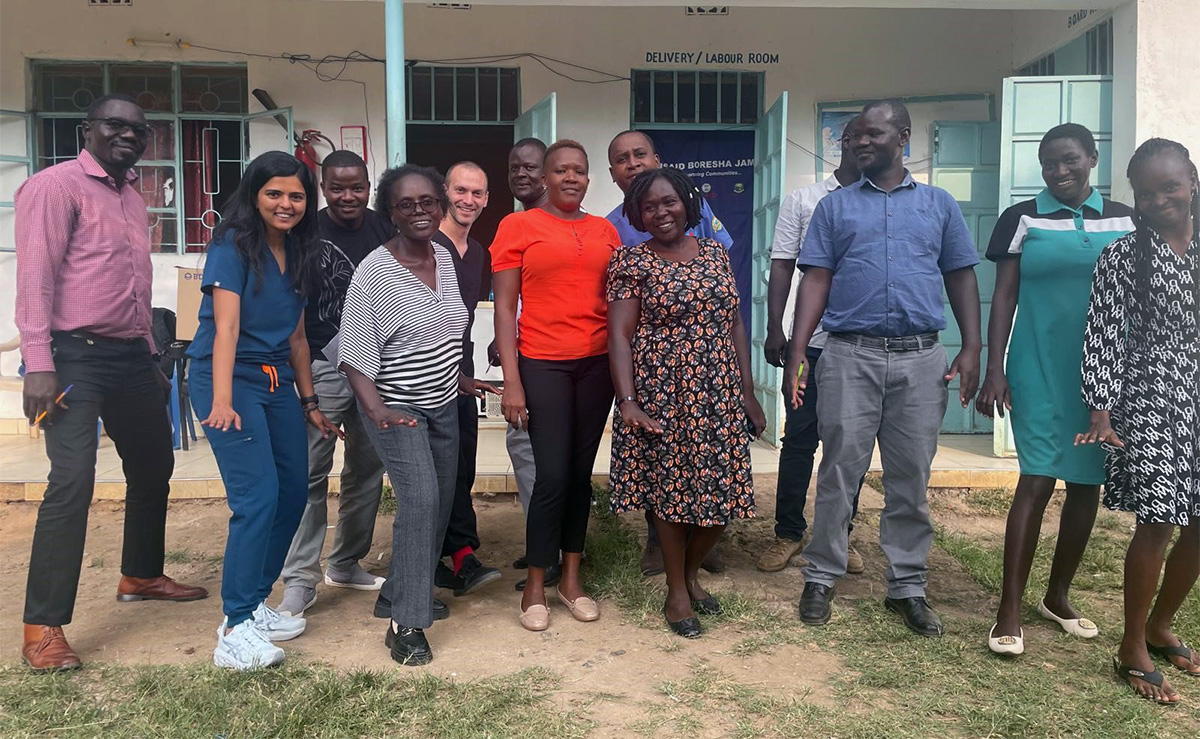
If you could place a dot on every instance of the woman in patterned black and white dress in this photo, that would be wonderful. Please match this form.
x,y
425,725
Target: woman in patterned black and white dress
x,y
1141,374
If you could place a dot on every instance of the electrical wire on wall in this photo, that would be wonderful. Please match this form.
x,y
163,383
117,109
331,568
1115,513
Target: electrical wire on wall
x,y
321,69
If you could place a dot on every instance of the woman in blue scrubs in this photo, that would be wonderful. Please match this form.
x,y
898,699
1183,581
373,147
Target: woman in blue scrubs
x,y
249,357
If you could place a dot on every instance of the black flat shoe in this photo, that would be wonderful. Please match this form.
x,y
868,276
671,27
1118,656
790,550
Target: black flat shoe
x,y
409,646
918,615
383,608
688,628
553,575
710,606
815,604
520,563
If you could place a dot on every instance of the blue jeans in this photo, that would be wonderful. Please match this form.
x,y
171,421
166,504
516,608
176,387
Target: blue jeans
x,y
800,442
265,470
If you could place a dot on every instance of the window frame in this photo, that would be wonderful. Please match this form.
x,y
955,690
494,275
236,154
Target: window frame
x,y
176,116
696,123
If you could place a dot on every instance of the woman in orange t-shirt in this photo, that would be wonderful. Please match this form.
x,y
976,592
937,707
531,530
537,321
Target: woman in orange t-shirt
x,y
554,259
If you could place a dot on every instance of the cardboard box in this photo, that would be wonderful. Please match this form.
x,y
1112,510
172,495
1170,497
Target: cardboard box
x,y
187,303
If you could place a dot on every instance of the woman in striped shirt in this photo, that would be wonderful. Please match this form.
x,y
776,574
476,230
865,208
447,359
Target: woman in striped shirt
x,y
400,348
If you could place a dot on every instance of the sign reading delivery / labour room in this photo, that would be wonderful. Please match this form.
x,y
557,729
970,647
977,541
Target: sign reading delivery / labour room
x,y
697,58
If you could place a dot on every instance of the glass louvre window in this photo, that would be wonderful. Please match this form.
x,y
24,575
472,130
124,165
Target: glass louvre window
x,y
696,97
193,158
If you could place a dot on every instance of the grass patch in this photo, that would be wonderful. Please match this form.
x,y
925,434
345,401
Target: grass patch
x,y
387,502
295,701
187,556
989,501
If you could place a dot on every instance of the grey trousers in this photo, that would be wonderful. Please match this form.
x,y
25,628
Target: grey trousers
x,y
520,452
898,398
361,485
422,463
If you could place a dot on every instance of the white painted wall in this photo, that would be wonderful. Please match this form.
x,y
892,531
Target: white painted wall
x,y
825,55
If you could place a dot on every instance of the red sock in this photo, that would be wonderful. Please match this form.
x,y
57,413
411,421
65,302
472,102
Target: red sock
x,y
459,556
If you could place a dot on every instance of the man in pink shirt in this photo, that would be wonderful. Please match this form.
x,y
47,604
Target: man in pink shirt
x,y
83,310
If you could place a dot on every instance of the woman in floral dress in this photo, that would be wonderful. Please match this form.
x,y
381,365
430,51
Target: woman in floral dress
x,y
1141,378
685,397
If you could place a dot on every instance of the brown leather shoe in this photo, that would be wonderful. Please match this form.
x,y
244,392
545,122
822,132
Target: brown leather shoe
x,y
46,649
157,588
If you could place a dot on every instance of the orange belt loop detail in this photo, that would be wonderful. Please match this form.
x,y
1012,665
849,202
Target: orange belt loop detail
x,y
272,376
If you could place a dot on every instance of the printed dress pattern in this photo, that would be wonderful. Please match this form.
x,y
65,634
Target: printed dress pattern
x,y
687,378
1141,361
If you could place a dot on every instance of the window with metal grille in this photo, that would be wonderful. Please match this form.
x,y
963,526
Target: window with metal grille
x,y
696,97
194,157
463,94
1091,53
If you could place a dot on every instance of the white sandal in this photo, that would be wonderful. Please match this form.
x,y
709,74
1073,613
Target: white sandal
x,y
1006,645
1080,627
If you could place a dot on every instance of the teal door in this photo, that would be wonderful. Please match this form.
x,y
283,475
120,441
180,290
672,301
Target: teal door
x,y
966,163
770,149
1031,106
539,122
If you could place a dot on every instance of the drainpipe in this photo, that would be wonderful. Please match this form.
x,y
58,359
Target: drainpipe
x,y
393,19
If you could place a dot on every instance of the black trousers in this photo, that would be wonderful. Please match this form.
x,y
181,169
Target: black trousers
x,y
568,402
113,381
463,530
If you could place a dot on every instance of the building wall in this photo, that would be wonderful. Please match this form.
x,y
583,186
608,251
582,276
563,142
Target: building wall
x,y
1167,59
824,55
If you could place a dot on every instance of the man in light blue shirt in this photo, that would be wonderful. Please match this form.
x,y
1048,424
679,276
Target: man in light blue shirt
x,y
630,154
875,259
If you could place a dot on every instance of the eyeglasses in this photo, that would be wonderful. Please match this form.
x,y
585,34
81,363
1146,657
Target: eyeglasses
x,y
407,207
120,126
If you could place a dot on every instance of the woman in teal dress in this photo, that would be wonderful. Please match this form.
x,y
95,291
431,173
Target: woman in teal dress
x,y
1045,251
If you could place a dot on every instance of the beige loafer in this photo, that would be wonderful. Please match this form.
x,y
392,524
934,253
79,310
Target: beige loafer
x,y
536,617
582,608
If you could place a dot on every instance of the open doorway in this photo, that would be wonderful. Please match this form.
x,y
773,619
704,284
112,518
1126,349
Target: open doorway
x,y
440,146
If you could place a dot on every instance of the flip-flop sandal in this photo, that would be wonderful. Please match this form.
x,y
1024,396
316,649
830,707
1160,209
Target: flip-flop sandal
x,y
1182,650
1154,677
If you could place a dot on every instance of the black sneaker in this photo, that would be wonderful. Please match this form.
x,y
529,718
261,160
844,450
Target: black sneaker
x,y
553,575
474,574
383,608
409,646
444,577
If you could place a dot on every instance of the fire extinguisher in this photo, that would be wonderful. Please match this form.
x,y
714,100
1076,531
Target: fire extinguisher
x,y
306,152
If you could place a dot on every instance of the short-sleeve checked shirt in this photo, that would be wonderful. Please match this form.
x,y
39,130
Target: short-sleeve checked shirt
x,y
83,258
888,252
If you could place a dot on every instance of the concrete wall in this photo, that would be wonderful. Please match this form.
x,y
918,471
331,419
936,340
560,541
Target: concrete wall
x,y
824,55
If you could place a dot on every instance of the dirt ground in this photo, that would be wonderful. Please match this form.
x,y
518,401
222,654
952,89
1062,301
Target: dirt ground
x,y
482,636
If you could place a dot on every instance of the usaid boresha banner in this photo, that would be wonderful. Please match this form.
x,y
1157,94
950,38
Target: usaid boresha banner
x,y
721,163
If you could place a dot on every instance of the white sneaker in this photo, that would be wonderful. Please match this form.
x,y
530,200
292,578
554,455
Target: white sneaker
x,y
276,626
244,648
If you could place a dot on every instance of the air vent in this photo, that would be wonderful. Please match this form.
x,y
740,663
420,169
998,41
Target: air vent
x,y
110,3
708,10
451,6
